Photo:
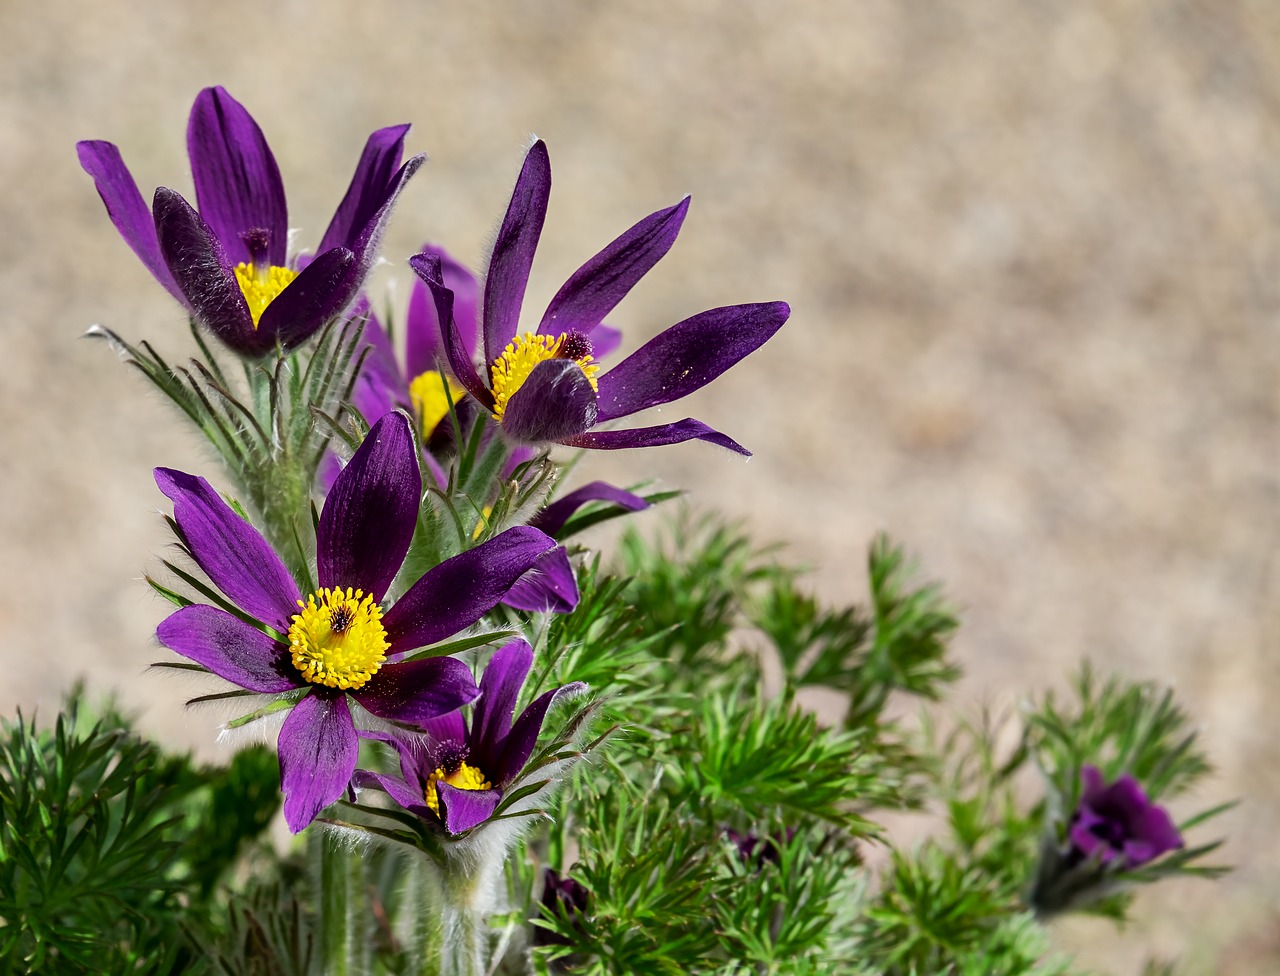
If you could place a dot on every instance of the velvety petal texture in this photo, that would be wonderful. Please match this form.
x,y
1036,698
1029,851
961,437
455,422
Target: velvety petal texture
x,y
372,509
553,518
325,287
428,267
230,648
461,590
550,587
659,436
461,810
422,327
318,751
417,691
513,251
230,551
554,403
375,170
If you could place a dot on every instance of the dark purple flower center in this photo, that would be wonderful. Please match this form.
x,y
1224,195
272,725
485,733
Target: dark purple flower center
x,y
257,240
340,619
451,756
574,345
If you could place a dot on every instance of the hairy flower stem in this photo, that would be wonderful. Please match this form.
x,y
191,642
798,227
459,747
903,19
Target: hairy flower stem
x,y
344,942
458,905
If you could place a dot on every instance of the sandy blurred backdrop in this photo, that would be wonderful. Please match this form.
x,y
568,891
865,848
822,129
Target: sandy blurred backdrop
x,y
1031,249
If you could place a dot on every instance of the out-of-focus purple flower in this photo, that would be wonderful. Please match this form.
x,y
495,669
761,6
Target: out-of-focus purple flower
x,y
457,774
338,643
1119,822
562,896
226,263
756,850
542,386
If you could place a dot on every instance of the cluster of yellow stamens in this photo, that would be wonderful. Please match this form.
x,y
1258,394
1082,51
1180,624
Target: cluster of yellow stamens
x,y
465,777
261,284
430,402
338,639
517,361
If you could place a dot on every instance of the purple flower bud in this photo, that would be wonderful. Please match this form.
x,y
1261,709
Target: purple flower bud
x,y
1119,821
561,894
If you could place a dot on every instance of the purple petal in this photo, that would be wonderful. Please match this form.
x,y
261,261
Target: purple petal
x,y
604,340
461,590
524,735
499,688
447,729
555,402
238,185
422,324
1157,827
595,289
230,648
1094,786
327,285
230,551
372,509
513,251
428,267
366,241
199,267
415,763
553,518
682,430
377,165
415,691
687,356
463,809
380,387
126,208
318,750
550,587
398,790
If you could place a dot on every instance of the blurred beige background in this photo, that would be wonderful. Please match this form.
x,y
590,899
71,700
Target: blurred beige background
x,y
1031,247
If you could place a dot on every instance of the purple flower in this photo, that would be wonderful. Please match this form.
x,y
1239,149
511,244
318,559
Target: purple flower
x,y
458,774
543,385
226,264
1119,822
338,643
562,897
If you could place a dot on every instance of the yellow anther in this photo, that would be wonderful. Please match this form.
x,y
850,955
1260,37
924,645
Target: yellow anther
x,y
262,285
465,777
517,361
338,639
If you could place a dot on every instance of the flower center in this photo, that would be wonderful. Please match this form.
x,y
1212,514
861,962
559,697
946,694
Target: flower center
x,y
261,284
464,777
338,639
430,402
526,351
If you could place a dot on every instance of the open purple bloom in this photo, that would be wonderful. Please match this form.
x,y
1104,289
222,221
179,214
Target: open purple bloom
x,y
226,263
542,386
338,643
1119,822
457,775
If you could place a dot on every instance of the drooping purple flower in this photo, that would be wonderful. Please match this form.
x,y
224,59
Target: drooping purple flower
x,y
542,386
226,263
562,896
339,643
1119,823
457,775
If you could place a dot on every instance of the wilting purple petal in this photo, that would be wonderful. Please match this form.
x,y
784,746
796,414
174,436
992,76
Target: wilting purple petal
x,y
327,285
462,589
513,251
553,518
463,809
428,267
372,509
422,324
415,691
230,648
524,735
199,266
230,551
598,286
682,430
499,688
687,356
367,238
318,751
550,587
555,402
238,185
378,163
126,208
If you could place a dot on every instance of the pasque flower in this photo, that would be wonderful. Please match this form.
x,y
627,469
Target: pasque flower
x,y
545,385
338,644
1118,824
226,263
457,774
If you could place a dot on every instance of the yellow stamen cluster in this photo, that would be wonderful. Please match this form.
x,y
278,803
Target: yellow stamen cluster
x,y
517,361
465,777
338,639
261,285
427,393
